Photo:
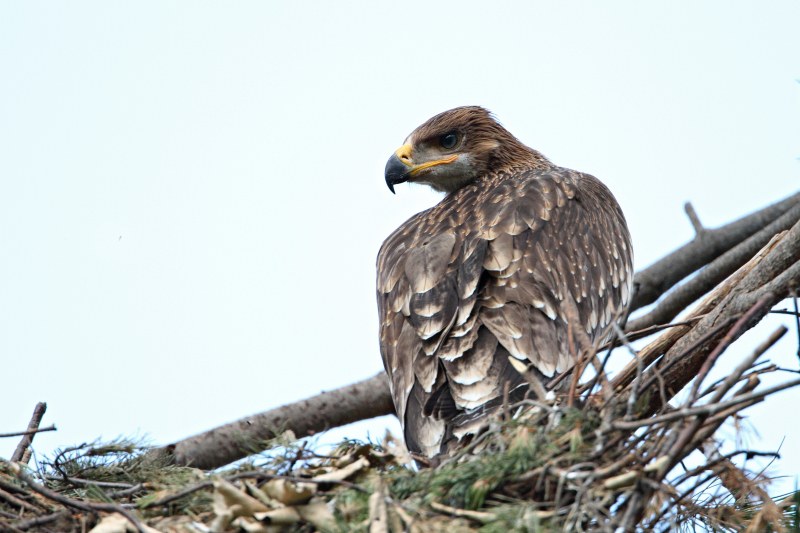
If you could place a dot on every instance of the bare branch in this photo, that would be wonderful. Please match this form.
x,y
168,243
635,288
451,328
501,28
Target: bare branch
x,y
722,267
766,280
20,454
657,279
709,409
83,505
730,380
796,320
693,218
23,525
51,427
223,445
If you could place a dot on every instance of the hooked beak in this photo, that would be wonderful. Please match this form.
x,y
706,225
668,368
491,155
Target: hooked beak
x,y
396,172
400,167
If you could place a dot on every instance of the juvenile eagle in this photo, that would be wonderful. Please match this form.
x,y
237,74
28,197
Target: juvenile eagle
x,y
491,272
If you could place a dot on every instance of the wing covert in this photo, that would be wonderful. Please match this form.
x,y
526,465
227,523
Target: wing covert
x,y
486,274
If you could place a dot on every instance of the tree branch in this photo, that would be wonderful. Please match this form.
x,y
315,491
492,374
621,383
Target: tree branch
x,y
719,269
21,452
371,397
772,278
51,427
655,280
223,445
83,505
693,218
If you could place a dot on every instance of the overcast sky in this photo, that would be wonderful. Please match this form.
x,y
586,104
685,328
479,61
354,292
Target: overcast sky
x,y
192,193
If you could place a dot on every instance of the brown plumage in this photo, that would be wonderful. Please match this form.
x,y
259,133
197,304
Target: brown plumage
x,y
489,273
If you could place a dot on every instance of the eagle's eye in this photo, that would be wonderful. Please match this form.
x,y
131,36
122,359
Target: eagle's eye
x,y
448,140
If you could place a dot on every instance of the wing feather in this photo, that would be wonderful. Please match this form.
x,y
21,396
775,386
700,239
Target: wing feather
x,y
485,275
426,264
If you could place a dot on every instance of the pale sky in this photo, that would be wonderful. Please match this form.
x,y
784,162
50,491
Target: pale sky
x,y
192,193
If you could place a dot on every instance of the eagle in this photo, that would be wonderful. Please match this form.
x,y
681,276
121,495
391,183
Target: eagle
x,y
518,256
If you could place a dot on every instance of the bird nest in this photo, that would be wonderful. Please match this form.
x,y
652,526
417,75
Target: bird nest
x,y
590,459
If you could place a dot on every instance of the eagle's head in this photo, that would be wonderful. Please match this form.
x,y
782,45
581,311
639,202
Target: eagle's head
x,y
455,148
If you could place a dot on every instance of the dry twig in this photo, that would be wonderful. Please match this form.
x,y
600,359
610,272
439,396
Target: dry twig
x,y
21,453
92,507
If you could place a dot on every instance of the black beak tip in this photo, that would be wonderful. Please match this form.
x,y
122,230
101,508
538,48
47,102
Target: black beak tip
x,y
396,172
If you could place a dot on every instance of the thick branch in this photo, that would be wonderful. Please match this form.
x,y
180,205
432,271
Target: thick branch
x,y
719,269
773,278
223,445
707,245
658,347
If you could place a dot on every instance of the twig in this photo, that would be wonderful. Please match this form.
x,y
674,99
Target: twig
x,y
92,507
784,312
658,348
23,525
87,482
588,388
731,379
29,432
246,475
60,469
694,219
661,367
180,494
722,345
22,504
716,460
796,319
666,508
462,513
10,487
524,369
635,335
9,528
634,391
732,477
713,422
706,410
646,354
321,480
666,341
127,492
22,448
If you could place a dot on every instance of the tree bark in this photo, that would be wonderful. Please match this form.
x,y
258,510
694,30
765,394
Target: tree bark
x,y
225,444
714,273
652,282
22,452
771,280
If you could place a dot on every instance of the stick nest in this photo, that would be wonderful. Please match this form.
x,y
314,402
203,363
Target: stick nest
x,y
592,460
